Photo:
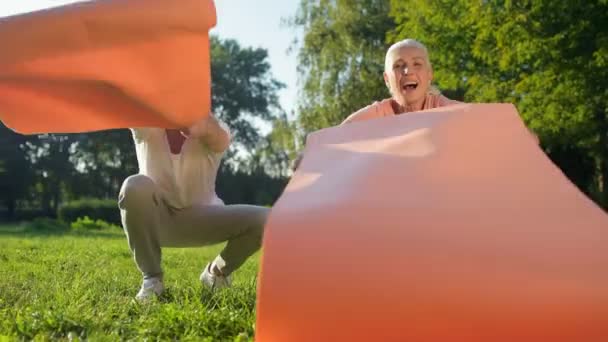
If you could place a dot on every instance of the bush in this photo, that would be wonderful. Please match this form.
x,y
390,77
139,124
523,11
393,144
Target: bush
x,y
86,223
45,224
23,215
96,209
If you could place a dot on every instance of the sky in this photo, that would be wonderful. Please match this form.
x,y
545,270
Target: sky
x,y
253,23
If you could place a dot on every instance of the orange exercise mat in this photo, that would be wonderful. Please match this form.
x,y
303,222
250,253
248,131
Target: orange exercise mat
x,y
106,64
449,224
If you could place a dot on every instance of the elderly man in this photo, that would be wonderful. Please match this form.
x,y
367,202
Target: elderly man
x,y
172,203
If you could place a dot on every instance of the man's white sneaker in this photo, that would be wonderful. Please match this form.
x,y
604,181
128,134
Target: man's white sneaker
x,y
214,281
149,288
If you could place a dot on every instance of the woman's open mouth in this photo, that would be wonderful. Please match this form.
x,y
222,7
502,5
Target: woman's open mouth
x,y
409,86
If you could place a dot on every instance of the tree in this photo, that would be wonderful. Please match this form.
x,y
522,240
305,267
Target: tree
x,y
15,175
547,57
341,58
49,157
277,151
242,89
102,161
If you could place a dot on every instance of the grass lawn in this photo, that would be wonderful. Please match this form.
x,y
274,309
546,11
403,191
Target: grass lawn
x,y
80,285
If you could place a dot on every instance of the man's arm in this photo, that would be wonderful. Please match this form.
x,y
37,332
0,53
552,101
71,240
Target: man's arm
x,y
212,132
141,133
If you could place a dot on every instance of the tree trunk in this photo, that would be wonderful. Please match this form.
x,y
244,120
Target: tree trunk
x,y
56,199
46,200
11,206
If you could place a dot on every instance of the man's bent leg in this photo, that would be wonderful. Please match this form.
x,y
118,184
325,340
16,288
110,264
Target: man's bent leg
x,y
140,207
241,225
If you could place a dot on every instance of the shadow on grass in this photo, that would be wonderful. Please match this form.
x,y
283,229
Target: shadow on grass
x,y
241,297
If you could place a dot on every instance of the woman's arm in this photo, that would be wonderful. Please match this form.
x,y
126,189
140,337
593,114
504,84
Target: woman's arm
x,y
375,110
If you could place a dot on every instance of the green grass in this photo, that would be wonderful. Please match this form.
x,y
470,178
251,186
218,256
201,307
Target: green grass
x,y
80,285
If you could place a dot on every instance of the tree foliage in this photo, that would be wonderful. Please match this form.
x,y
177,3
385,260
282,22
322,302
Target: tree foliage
x,y
341,58
550,58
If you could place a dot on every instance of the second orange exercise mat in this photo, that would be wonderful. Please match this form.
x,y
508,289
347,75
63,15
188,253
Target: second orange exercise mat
x,y
106,64
443,225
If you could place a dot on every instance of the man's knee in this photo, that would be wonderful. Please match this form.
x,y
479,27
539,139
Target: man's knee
x,y
137,190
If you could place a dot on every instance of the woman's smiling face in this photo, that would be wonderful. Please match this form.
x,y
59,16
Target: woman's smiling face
x,y
408,75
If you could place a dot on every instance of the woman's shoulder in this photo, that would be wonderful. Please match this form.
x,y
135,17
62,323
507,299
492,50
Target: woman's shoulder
x,y
375,110
442,101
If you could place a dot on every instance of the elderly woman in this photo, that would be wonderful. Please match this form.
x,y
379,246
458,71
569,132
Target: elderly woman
x,y
408,74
